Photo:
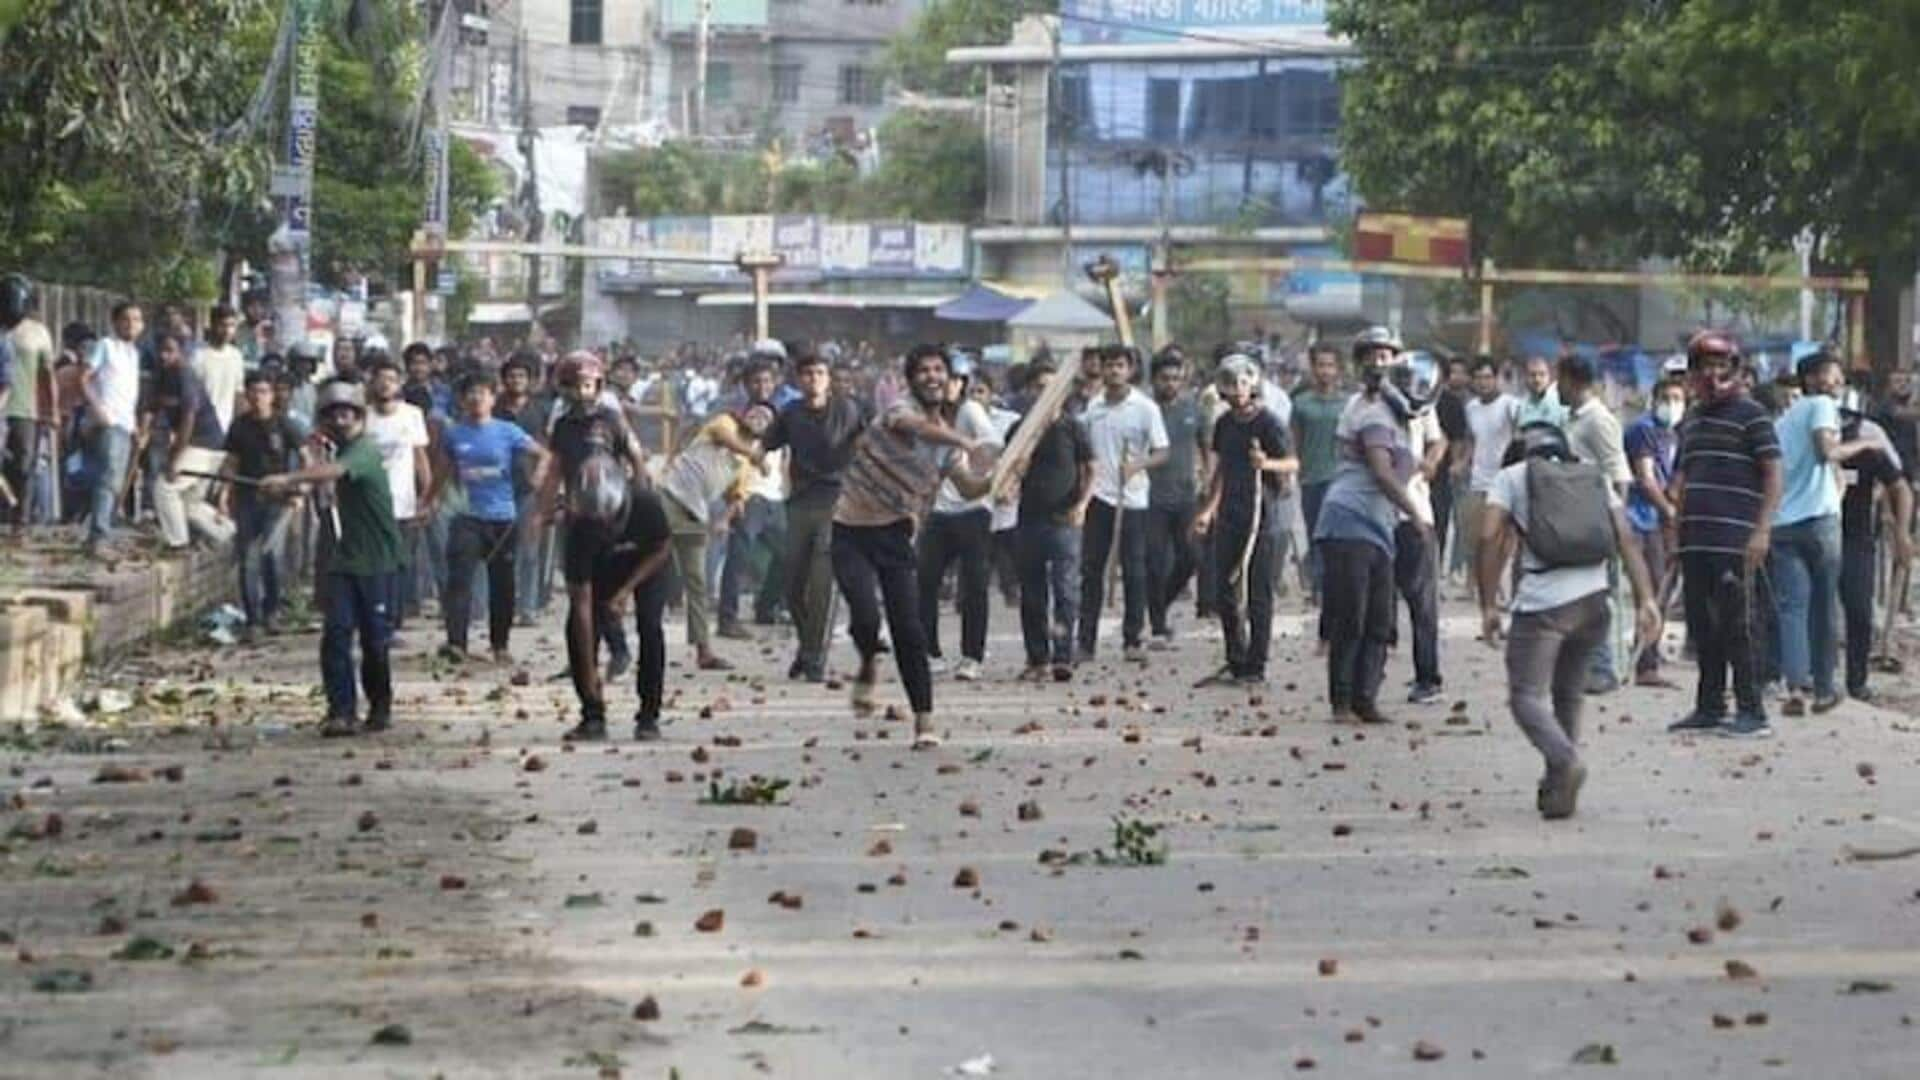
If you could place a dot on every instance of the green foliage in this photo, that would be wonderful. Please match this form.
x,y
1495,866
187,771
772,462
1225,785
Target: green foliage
x,y
131,173
754,791
1197,311
917,59
1714,131
933,168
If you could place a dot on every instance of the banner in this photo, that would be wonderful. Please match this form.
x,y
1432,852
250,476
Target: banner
x,y
813,248
1429,241
890,249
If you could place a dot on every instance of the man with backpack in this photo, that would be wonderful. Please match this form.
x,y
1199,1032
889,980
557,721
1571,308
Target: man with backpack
x,y
1570,522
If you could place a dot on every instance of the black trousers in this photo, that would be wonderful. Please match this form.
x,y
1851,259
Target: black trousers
x,y
1357,614
1440,498
967,537
1096,543
1858,556
1171,560
1719,599
649,609
810,576
879,558
1247,632
471,542
1416,575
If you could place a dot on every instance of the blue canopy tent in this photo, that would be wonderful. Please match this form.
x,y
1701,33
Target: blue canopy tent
x,y
981,304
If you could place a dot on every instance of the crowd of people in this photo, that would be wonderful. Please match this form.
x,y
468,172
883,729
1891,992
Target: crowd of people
x,y
766,484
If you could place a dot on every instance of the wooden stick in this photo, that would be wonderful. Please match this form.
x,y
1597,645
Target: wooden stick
x,y
1019,450
1253,538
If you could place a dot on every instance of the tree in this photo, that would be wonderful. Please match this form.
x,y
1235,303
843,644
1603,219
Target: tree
x,y
933,166
918,58
1713,131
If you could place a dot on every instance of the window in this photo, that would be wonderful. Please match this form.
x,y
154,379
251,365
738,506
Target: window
x,y
786,83
860,86
719,82
1074,116
1220,108
584,24
1163,109
584,115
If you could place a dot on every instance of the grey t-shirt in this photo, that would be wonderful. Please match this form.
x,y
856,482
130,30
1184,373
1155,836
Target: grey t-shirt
x,y
1543,588
1173,484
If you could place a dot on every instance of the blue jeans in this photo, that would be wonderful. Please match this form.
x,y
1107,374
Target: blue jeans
x,y
357,603
1805,565
108,452
1049,560
254,520
532,552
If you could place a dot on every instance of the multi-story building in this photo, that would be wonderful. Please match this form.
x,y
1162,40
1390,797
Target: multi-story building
x,y
1207,127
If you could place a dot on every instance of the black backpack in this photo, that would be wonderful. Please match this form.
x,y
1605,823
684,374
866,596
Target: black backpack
x,y
1569,513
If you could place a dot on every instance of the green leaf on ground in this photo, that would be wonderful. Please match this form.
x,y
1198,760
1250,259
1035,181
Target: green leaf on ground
x,y
144,948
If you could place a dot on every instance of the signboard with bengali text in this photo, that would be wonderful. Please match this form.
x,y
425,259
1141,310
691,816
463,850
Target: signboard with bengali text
x,y
814,248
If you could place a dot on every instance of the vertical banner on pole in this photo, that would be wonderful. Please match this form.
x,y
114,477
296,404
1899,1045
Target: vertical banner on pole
x,y
292,246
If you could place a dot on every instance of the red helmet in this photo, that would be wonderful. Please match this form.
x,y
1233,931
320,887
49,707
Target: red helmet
x,y
1712,343
576,364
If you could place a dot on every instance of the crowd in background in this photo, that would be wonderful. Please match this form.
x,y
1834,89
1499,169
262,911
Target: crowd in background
x,y
1374,479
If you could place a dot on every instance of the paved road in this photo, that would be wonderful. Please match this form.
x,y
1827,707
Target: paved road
x,y
1349,899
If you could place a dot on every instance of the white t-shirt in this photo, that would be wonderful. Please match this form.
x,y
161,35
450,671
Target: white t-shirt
x,y
223,371
1422,431
1541,588
972,421
1492,424
114,368
397,434
1135,428
1005,516
1276,401
771,484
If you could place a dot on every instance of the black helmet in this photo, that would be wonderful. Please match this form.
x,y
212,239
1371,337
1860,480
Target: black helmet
x,y
16,300
598,493
1376,337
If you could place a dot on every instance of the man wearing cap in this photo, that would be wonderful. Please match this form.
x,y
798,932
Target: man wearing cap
x,y
366,555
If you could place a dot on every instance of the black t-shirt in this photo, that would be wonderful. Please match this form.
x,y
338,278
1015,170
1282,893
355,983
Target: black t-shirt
x,y
262,447
1450,408
177,393
1233,440
1864,473
1053,472
646,529
1905,436
820,444
579,435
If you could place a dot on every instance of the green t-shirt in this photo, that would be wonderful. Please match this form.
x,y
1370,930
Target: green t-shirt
x,y
369,535
32,355
1315,418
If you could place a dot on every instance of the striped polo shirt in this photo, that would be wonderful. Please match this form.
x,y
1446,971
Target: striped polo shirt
x,y
1721,447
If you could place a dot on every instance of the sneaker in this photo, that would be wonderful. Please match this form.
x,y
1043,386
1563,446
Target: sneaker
x,y
711,662
1601,684
339,727
524,619
1063,673
1747,726
1656,681
1343,714
452,654
733,631
378,720
814,671
1860,694
795,670
923,735
618,664
1134,654
936,666
1560,792
1162,641
1250,679
1825,704
1034,673
589,729
502,658
1423,693
1222,677
1697,720
646,728
967,670
1795,706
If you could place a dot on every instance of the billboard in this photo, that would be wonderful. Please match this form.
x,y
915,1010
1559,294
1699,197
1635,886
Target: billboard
x,y
1163,21
815,249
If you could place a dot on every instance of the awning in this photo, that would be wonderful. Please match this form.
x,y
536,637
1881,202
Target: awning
x,y
845,301
982,304
494,312
1062,311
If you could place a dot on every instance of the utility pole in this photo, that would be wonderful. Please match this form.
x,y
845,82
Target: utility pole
x,y
700,48
1059,112
530,189
290,258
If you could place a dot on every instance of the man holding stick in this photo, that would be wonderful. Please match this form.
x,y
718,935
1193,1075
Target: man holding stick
x,y
1128,437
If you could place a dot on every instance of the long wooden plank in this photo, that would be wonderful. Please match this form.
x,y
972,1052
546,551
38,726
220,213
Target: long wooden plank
x,y
1040,416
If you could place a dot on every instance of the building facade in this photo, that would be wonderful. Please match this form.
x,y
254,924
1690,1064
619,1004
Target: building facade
x,y
1191,126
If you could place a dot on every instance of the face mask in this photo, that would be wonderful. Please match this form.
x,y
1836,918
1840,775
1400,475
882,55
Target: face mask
x,y
1668,413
